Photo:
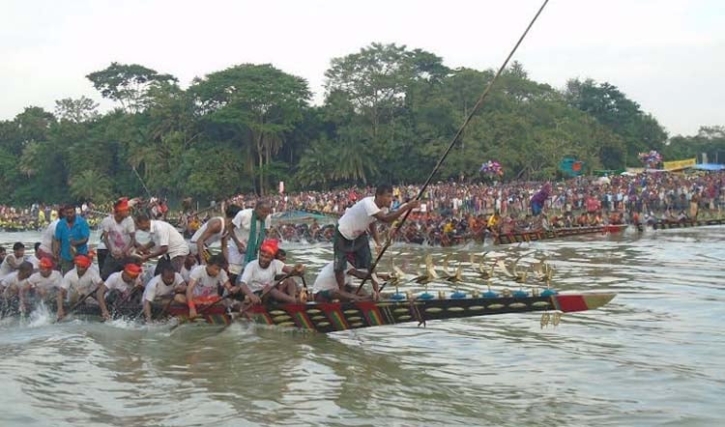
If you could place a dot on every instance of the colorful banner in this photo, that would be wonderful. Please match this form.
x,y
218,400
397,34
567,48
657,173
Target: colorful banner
x,y
679,164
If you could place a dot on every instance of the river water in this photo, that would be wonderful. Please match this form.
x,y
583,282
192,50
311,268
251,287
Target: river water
x,y
654,356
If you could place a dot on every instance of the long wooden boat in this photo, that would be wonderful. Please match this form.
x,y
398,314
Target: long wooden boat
x,y
664,225
398,308
556,233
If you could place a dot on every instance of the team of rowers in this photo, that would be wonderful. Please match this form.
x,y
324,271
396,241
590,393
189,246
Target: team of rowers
x,y
250,269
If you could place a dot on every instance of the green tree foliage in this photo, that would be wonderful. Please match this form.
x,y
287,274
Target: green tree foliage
x,y
389,113
638,130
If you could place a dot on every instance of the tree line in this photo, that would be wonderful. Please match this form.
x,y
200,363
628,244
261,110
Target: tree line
x,y
388,114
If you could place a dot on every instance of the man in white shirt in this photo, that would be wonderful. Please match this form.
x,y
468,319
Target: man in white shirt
x,y
351,237
42,284
258,278
119,236
205,282
165,240
248,232
79,282
15,281
121,287
13,260
168,284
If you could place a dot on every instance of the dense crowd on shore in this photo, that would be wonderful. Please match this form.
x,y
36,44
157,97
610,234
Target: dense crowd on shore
x,y
455,210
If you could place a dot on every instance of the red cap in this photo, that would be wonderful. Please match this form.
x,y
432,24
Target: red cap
x,y
270,246
82,261
46,263
132,270
121,205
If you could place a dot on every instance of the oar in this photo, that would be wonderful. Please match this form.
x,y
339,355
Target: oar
x,y
455,139
78,303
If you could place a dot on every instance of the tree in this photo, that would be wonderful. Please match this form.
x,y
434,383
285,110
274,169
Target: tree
x,y
127,84
90,185
76,110
258,104
639,131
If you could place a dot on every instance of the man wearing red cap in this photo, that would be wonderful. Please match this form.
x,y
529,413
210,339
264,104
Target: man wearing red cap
x,y
118,233
121,287
44,283
80,281
258,277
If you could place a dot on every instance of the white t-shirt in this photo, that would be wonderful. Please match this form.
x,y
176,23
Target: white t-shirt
x,y
6,268
214,237
115,281
358,218
52,281
256,278
82,284
186,272
205,284
156,287
46,239
12,279
164,234
326,278
243,224
118,235
33,260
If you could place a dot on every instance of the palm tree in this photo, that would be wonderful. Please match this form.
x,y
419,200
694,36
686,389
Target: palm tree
x,y
91,185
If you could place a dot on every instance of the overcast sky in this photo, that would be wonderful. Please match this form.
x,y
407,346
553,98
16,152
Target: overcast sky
x,y
667,55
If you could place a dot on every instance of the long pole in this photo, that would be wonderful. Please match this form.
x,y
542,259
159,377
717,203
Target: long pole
x,y
458,134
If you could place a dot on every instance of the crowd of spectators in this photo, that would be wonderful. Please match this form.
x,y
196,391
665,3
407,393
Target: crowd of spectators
x,y
457,210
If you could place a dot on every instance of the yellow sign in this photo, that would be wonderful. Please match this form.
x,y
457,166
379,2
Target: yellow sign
x,y
679,164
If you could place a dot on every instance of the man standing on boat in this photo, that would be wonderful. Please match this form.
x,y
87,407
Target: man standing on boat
x,y
165,240
539,199
214,230
351,234
249,228
119,236
71,238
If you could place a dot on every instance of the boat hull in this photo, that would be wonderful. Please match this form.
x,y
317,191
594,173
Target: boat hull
x,y
665,225
335,316
556,233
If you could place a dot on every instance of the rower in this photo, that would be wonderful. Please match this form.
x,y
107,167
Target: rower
x,y
325,288
166,240
121,287
167,285
205,281
189,263
119,236
79,281
351,236
214,230
13,282
42,284
13,260
258,276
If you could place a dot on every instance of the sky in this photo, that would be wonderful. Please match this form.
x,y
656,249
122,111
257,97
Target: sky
x,y
667,55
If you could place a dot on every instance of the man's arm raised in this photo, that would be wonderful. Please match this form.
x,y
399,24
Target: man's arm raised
x,y
393,215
